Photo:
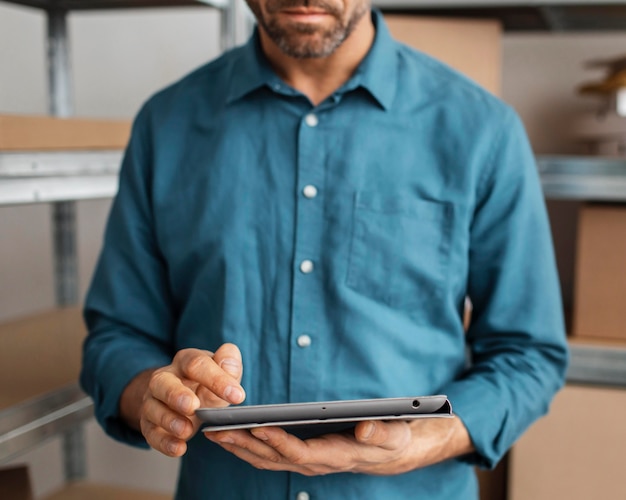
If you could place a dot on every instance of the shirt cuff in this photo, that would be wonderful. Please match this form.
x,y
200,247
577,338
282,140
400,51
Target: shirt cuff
x,y
107,386
484,417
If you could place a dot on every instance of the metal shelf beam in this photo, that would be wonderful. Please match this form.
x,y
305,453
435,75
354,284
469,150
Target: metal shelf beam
x,y
584,178
26,425
48,177
53,177
597,365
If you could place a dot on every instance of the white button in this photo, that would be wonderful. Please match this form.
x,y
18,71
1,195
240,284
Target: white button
x,y
303,495
304,341
311,120
306,266
309,191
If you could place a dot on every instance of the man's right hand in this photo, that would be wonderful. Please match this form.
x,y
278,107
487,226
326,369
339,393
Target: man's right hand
x,y
161,403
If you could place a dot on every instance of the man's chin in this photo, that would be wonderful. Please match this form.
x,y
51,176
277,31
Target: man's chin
x,y
306,51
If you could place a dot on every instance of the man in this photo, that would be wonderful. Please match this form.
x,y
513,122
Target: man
x,y
302,219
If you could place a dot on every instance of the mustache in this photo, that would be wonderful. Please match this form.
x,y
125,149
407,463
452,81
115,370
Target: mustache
x,y
274,6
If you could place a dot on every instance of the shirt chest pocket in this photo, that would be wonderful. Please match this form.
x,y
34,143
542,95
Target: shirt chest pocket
x,y
400,251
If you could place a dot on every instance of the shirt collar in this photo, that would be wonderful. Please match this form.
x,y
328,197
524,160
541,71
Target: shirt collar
x,y
251,70
376,73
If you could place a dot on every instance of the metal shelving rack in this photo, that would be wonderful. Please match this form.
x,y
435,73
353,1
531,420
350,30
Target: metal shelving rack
x,y
582,178
62,178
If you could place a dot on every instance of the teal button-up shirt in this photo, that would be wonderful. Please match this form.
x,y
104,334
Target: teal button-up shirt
x,y
247,215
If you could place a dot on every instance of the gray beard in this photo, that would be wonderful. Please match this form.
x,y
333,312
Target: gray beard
x,y
291,43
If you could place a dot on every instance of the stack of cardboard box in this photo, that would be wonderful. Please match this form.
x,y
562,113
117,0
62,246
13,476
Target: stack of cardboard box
x,y
600,290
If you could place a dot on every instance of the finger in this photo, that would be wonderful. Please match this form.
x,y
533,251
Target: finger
x,y
322,455
387,435
246,447
201,367
168,388
160,415
245,440
208,399
162,441
263,463
228,358
289,446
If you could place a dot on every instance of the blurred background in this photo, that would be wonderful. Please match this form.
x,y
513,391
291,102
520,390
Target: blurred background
x,y
537,60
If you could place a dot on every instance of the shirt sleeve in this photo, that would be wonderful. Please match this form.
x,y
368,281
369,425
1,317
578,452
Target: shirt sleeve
x,y
516,338
128,310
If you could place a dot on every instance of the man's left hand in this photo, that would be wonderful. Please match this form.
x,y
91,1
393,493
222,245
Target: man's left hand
x,y
375,447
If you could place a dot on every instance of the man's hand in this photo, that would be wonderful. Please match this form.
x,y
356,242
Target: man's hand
x,y
375,447
161,403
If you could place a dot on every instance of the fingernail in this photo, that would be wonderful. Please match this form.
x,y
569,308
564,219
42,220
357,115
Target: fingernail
x,y
369,430
172,447
233,394
231,366
184,403
177,426
226,440
259,434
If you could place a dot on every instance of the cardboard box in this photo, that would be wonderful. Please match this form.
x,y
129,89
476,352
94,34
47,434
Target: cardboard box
x,y
600,280
577,452
15,483
473,47
43,133
39,353
85,491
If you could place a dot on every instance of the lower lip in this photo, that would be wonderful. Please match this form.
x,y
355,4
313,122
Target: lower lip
x,y
313,17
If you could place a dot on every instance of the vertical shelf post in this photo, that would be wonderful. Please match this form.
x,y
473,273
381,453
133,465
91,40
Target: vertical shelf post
x,y
65,254
227,25
59,66
64,216
236,22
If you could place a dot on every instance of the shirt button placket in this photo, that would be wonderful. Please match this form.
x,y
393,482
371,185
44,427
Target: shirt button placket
x,y
307,288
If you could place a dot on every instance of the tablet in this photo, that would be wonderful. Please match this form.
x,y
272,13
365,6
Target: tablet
x,y
309,419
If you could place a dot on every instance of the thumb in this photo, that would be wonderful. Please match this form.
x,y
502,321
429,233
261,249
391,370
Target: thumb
x,y
228,358
388,435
